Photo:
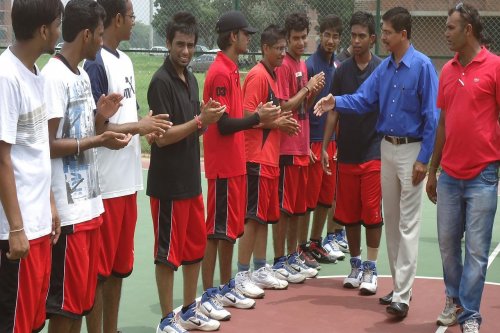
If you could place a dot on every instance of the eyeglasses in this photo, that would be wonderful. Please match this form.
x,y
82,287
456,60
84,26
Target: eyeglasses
x,y
461,8
132,16
280,49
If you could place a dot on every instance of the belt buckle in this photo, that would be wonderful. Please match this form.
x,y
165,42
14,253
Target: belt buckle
x,y
392,139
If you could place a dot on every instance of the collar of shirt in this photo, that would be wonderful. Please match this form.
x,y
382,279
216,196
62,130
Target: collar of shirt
x,y
171,70
321,55
223,58
406,60
480,57
272,73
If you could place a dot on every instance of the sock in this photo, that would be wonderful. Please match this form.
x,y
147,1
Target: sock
x,y
372,254
185,308
243,268
357,257
259,263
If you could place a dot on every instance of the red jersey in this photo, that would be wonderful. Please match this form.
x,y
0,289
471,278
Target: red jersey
x,y
292,76
261,145
470,99
224,154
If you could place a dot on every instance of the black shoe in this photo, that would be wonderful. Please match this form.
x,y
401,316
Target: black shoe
x,y
387,299
399,310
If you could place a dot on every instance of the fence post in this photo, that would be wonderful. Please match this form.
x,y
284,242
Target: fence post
x,y
377,28
237,5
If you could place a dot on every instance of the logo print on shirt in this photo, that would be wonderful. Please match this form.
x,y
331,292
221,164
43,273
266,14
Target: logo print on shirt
x,y
127,93
220,91
476,80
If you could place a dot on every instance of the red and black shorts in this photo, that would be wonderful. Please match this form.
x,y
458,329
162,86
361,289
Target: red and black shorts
x,y
75,262
321,186
180,233
226,201
117,236
24,285
293,183
359,195
262,193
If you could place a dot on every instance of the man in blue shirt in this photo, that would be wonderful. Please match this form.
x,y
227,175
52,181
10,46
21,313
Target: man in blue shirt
x,y
404,87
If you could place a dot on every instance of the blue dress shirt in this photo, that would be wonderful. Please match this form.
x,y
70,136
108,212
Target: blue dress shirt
x,y
406,95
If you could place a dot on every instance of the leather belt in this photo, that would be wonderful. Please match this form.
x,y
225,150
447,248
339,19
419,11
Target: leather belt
x,y
398,140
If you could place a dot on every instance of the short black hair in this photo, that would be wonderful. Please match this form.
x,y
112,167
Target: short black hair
x,y
113,8
271,35
223,39
80,15
297,22
331,21
363,19
29,15
183,22
400,19
469,15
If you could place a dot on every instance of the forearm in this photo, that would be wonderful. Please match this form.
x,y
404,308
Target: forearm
x,y
330,125
295,101
177,133
127,128
72,146
227,125
8,191
438,147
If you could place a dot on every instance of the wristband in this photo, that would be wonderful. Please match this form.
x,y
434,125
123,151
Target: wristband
x,y
198,122
16,230
77,147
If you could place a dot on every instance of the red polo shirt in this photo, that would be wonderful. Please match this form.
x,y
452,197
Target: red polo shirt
x,y
224,154
470,99
292,76
261,145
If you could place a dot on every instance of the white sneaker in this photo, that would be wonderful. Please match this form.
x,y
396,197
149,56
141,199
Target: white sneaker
x,y
298,265
193,319
283,271
229,295
369,279
470,326
449,315
170,324
353,280
332,247
265,278
246,286
211,307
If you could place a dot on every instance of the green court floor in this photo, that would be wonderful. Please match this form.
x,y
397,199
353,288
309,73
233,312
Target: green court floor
x,y
140,309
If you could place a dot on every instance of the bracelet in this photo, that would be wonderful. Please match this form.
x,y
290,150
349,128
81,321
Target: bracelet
x,y
77,147
198,121
16,230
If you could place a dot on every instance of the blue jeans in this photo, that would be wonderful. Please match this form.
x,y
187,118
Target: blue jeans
x,y
466,206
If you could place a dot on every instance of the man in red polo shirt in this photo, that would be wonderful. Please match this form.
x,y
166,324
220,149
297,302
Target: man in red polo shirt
x,y
469,98
294,92
225,169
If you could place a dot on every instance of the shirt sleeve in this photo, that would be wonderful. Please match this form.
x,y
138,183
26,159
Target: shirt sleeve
x,y
160,99
284,81
364,100
55,95
9,109
254,93
220,90
98,79
427,89
310,67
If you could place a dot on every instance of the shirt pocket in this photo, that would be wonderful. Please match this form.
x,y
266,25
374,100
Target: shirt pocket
x,y
410,100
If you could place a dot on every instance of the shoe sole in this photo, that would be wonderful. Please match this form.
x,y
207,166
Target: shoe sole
x,y
349,285
441,323
367,292
397,314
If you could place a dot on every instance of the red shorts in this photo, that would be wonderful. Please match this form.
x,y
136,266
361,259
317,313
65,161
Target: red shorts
x,y
359,194
73,280
320,186
262,199
226,201
117,236
292,185
24,285
180,233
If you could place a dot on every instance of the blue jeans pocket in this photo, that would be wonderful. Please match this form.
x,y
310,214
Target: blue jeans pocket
x,y
489,175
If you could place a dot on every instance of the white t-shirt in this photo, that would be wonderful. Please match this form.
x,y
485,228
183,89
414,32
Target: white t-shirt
x,y
75,182
120,171
23,124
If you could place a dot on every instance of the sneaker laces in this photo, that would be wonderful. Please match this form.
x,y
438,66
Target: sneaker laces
x,y
367,275
470,325
354,272
449,307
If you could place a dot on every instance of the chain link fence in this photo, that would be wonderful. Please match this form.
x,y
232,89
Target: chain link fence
x,y
429,18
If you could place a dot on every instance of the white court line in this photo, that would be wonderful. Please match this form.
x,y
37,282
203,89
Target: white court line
x,y
441,329
493,255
